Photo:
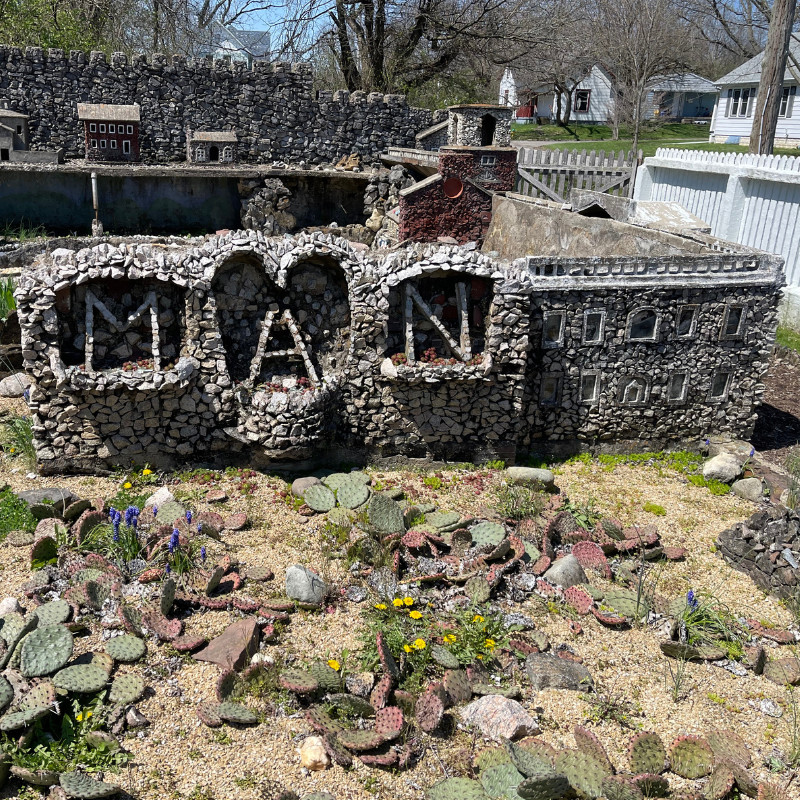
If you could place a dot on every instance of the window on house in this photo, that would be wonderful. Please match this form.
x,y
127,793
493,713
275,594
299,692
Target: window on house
x,y
19,129
5,154
102,144
550,390
583,98
740,102
505,97
632,391
594,323
227,154
488,161
643,325
102,127
93,143
687,322
787,101
733,324
590,387
130,130
200,153
553,329
720,385
126,148
113,144
676,389
92,127
112,128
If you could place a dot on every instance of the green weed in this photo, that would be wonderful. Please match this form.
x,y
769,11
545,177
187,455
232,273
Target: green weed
x,y
714,486
786,337
14,514
7,301
657,510
518,502
16,438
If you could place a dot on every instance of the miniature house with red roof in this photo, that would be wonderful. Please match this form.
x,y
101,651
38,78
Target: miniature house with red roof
x,y
111,131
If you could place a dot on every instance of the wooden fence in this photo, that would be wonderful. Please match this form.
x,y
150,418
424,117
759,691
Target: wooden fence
x,y
552,174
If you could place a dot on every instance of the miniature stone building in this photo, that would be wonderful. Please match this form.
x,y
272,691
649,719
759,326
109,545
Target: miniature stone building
x,y
296,347
476,162
111,131
14,139
211,147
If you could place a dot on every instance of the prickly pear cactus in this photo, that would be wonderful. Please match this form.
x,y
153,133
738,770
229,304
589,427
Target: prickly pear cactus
x,y
720,783
126,648
526,761
456,789
167,596
298,681
336,479
53,613
442,656
76,784
690,757
352,494
646,754
320,498
384,514
359,741
584,772
386,658
321,721
587,742
627,603
327,678
83,678
126,689
45,650
442,519
616,787
487,533
478,589
729,746
500,782
389,722
21,719
6,694
234,712
39,696
429,711
379,696
543,784
352,704
457,686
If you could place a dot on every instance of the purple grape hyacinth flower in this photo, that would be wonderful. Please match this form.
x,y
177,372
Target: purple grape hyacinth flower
x,y
691,600
203,554
189,516
155,510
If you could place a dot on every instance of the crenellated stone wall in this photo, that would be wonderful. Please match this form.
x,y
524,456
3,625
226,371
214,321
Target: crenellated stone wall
x,y
273,108
302,347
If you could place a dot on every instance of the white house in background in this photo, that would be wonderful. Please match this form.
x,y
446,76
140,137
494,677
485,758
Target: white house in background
x,y
234,44
670,97
733,113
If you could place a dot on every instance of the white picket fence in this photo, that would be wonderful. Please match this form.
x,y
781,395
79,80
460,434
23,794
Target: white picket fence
x,y
750,199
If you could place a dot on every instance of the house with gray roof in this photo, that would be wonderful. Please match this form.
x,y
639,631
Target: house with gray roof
x,y
236,44
733,113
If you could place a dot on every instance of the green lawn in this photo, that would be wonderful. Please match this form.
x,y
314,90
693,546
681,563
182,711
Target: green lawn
x,y
673,131
648,148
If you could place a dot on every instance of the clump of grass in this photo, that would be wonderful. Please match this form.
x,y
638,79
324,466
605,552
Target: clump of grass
x,y
611,707
14,514
786,337
23,232
714,486
518,502
7,301
655,509
584,513
16,438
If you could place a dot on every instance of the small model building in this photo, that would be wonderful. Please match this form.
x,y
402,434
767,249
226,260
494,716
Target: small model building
x,y
111,131
15,138
211,147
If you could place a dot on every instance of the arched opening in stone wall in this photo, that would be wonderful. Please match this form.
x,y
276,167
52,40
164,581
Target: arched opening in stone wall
x,y
446,315
130,324
213,153
488,127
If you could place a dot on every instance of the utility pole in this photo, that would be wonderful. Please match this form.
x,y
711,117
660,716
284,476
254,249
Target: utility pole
x,y
770,87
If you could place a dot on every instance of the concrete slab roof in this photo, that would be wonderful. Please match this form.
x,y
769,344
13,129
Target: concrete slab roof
x,y
103,112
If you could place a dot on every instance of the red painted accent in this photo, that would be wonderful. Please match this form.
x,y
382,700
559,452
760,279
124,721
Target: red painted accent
x,y
108,153
452,188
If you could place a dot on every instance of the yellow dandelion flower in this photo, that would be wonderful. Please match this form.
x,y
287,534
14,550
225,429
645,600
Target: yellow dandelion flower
x,y
407,648
13,449
489,644
409,601
334,664
477,618
79,717
449,638
380,606
419,644
127,485
397,602
479,656
147,472
415,614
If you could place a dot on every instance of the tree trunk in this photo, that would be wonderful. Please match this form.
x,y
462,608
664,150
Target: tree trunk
x,y
557,94
770,87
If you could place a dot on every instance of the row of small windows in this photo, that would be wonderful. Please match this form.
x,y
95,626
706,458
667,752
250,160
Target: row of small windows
x,y
126,146
112,128
643,325
631,391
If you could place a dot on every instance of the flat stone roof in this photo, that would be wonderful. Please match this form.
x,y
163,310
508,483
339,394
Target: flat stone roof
x,y
7,112
107,111
213,136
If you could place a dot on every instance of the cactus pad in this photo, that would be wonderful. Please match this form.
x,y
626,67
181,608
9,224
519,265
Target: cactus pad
x,y
208,714
615,787
126,689
652,785
85,678
6,693
720,783
338,753
627,603
729,746
442,519
321,721
646,754
457,686
39,696
456,789
527,761
235,712
429,711
584,772
359,741
37,777
500,781
379,696
126,648
352,704
442,656
76,784
578,599
690,757
487,534
213,580
167,596
352,494
44,549
544,784
21,719
327,678
53,613
389,722
386,658
45,650
298,681
319,498
478,589
384,514
20,538
587,742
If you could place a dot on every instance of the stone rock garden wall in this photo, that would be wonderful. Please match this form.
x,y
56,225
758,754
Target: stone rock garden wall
x,y
287,348
273,108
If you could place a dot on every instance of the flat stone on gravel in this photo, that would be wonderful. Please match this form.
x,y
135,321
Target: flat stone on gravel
x,y
531,476
748,489
313,755
566,572
299,485
60,498
499,718
14,385
725,467
232,648
547,671
305,585
10,605
159,498
360,683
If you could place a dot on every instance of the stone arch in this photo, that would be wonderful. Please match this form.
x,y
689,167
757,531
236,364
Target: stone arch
x,y
213,153
488,129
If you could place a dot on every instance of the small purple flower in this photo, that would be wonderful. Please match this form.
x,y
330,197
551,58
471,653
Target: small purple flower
x,y
691,600
117,517
708,442
174,540
199,527
167,570
155,510
116,531
112,512
27,395
752,452
131,513
203,554
189,516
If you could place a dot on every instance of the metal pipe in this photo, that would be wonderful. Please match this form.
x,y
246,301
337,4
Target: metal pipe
x,y
95,204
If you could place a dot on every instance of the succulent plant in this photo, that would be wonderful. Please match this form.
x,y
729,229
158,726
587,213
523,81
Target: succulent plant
x,y
338,753
587,742
213,580
37,777
456,789
74,510
646,753
385,757
20,538
578,599
617,787
96,594
6,694
359,741
15,627
132,619
527,761
83,678
352,704
39,696
167,596
389,722
429,711
21,719
543,784
126,689
720,783
100,740
627,603
536,747
235,712
442,519
652,785
45,650
165,629
86,523
500,781
379,696
352,494
298,681
457,686
208,714
491,757
321,721
478,589
328,679
487,534
44,511
320,498
385,655
102,660
53,613
768,791
385,515
76,784
126,648
690,757
584,772
729,746
744,781
442,656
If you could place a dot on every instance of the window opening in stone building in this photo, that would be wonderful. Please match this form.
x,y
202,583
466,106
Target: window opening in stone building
x,y
126,147
632,391
687,321
200,154
4,154
553,329
102,127
720,385
676,389
213,153
102,144
227,154
92,127
113,144
642,325
488,127
488,161
550,390
93,143
112,128
130,130
589,387
594,323
19,129
734,322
